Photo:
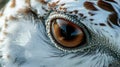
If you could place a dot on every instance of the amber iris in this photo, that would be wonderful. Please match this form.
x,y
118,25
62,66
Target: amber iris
x,y
66,33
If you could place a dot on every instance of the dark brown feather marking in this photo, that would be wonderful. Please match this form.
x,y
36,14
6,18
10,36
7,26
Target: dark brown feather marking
x,y
42,1
111,1
109,24
81,15
53,4
114,18
75,11
91,19
91,14
106,6
102,24
61,8
63,4
24,11
90,6
12,18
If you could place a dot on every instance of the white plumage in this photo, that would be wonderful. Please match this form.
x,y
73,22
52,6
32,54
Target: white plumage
x,y
24,41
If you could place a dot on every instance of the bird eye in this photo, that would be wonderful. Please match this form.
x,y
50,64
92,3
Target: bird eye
x,y
66,33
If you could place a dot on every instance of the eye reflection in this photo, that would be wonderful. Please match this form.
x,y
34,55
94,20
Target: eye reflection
x,y
66,33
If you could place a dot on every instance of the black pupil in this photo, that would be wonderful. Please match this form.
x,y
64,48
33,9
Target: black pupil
x,y
67,31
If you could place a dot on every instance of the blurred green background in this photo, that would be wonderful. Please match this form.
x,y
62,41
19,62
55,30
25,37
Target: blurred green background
x,y
2,3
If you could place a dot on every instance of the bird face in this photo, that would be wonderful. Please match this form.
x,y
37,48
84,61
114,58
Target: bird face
x,y
58,33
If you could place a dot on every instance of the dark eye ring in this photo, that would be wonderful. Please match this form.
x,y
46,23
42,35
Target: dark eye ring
x,y
66,32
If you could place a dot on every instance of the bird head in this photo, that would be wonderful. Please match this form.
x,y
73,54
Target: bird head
x,y
59,33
